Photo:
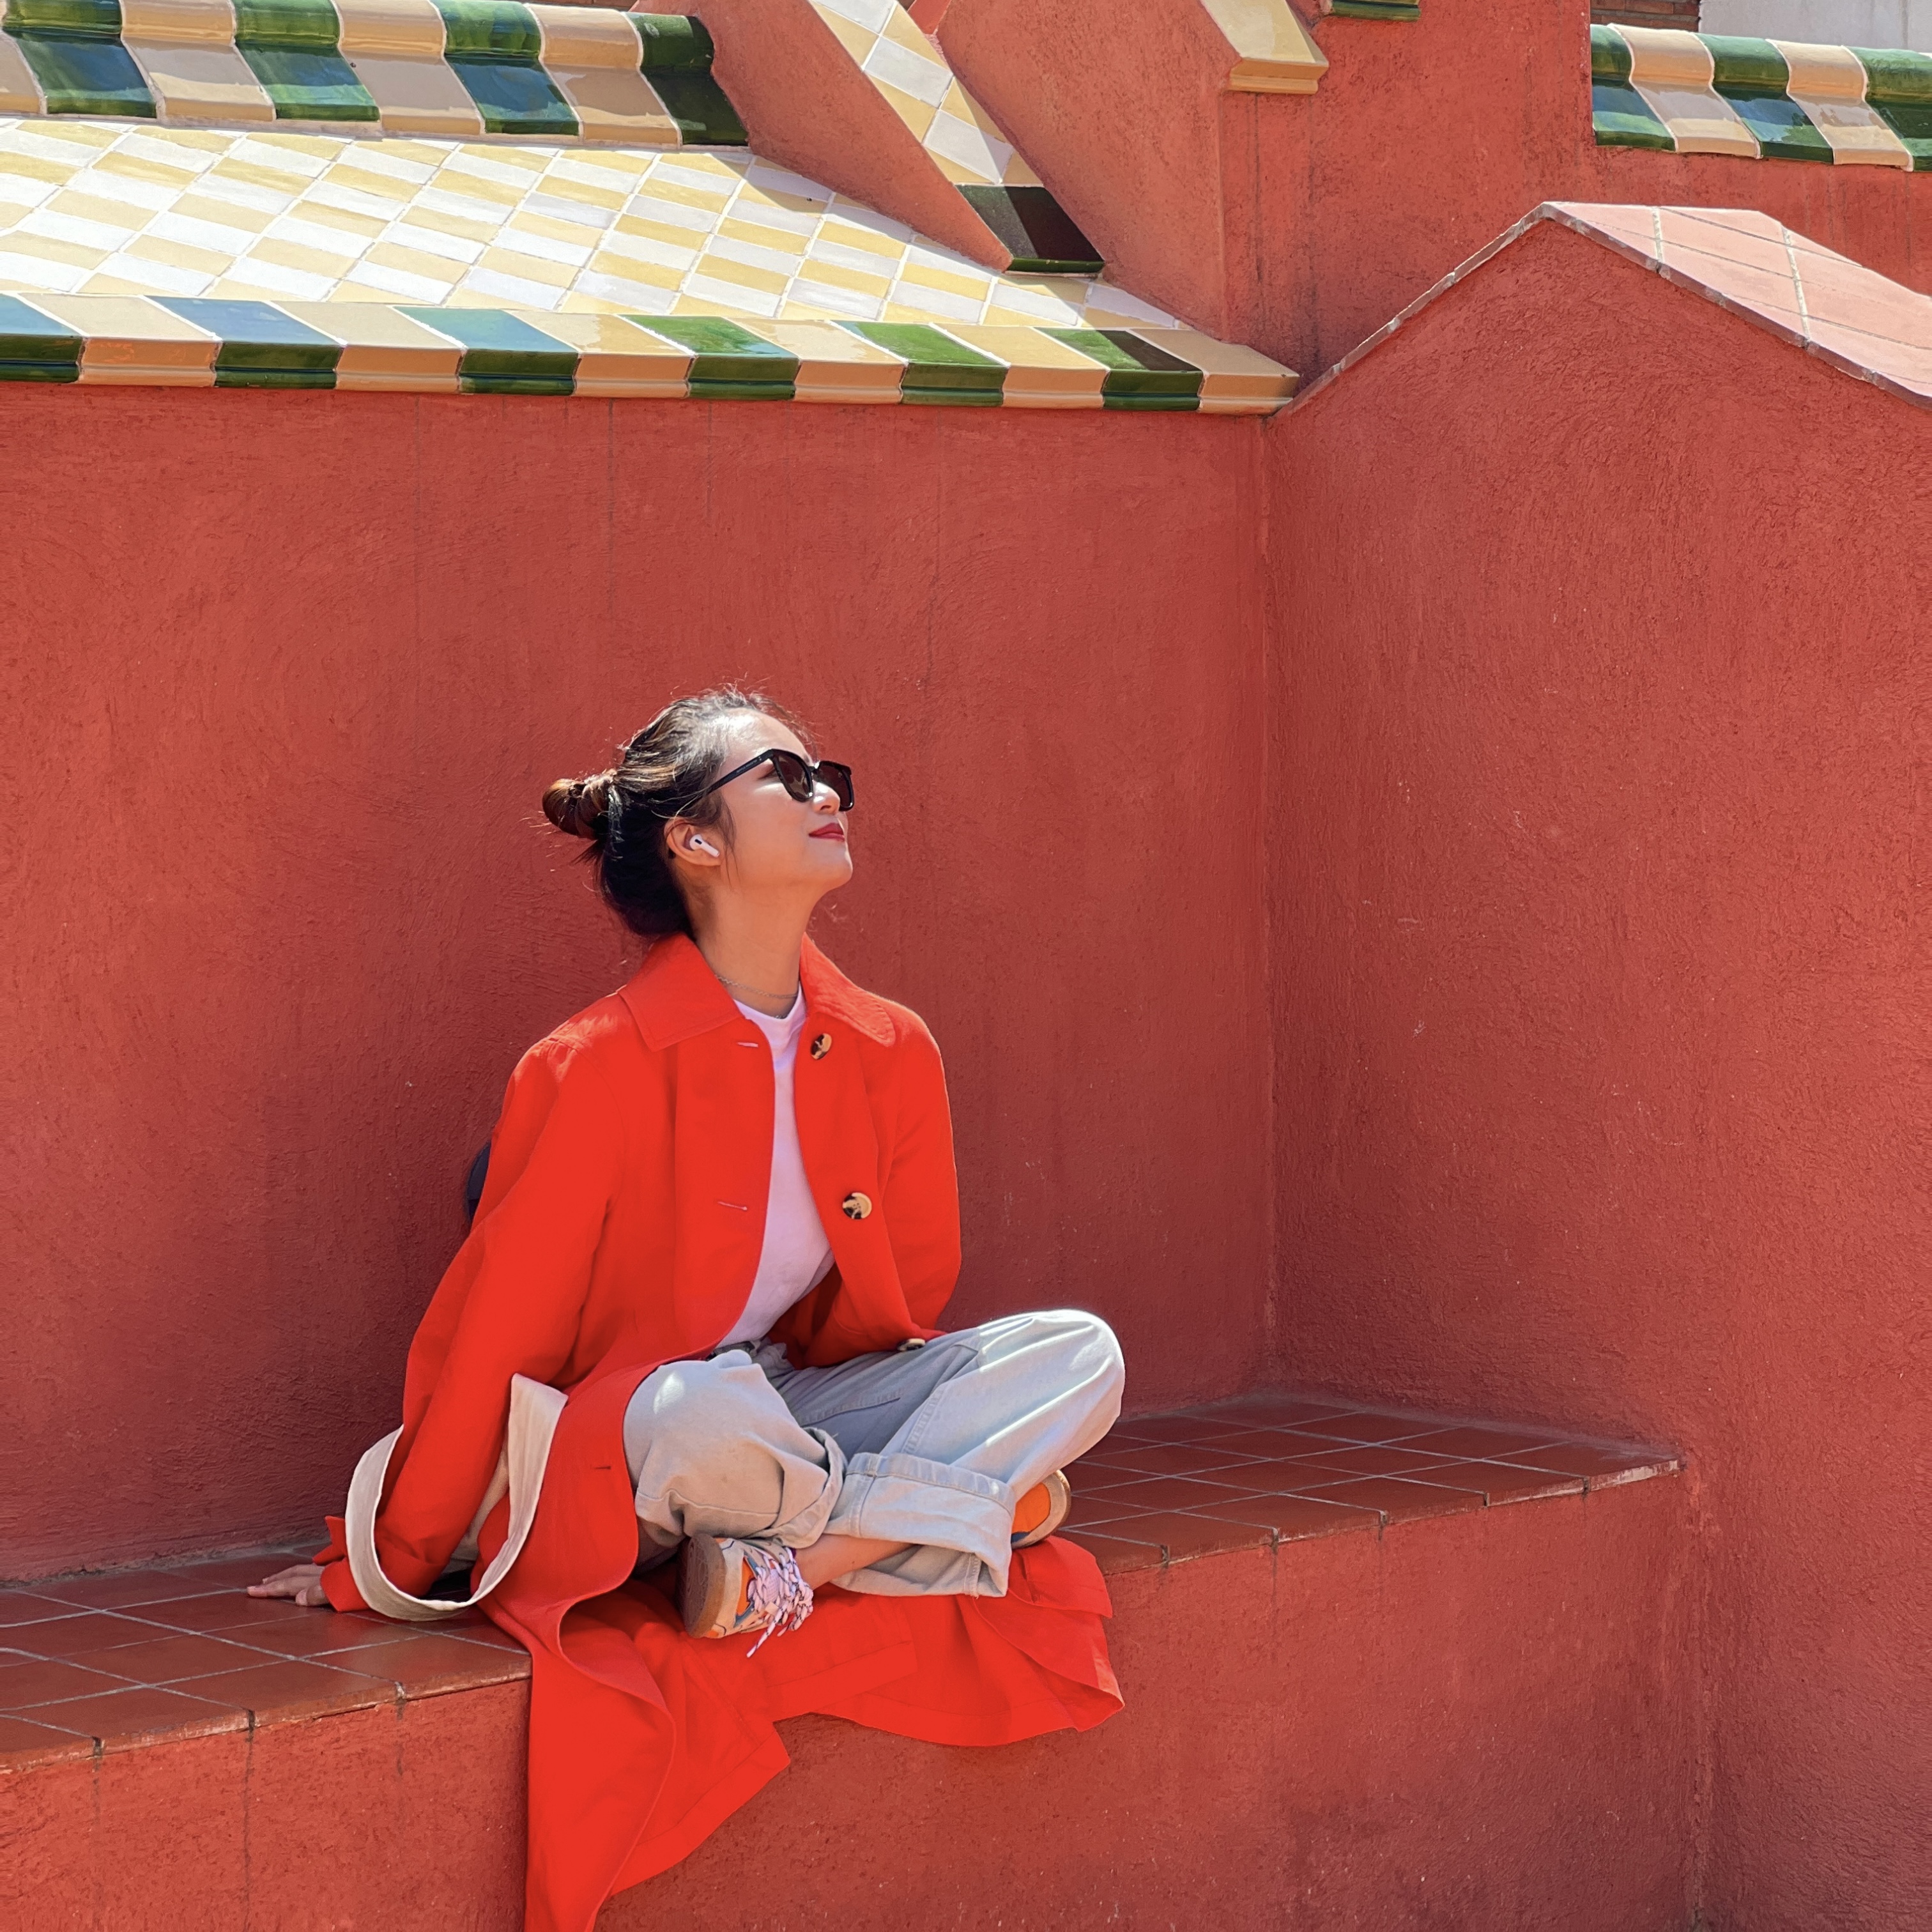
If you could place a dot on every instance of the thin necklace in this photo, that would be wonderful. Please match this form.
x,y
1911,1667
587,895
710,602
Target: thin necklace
x,y
759,990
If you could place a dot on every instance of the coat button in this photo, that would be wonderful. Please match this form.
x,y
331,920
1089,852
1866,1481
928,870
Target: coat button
x,y
821,1046
858,1206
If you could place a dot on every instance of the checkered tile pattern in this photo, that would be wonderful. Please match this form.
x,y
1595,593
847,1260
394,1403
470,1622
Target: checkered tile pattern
x,y
1708,94
464,68
92,208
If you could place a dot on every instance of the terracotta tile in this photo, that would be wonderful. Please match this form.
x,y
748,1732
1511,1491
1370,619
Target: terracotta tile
x,y
1904,365
1165,1459
1171,1492
1772,294
289,1688
1602,1466
1100,1506
1467,1439
225,1573
1370,1426
423,1665
120,1590
475,1629
226,1609
1114,1555
84,1631
25,1744
43,1680
1180,1536
168,1656
1370,1459
1278,1442
120,1719
1277,1411
1183,1428
1283,1475
1399,1501
23,1606
1501,1483
1084,1475
1758,245
1844,295
1293,1518
317,1631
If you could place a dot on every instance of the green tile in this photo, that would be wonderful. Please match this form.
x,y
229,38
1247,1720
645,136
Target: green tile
x,y
729,363
262,348
74,49
1899,90
291,48
1042,239
938,369
705,117
1139,375
1753,76
33,347
502,354
1378,10
673,43
495,48
1620,115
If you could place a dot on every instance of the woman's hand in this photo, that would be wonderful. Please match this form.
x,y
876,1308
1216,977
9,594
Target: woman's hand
x,y
301,1581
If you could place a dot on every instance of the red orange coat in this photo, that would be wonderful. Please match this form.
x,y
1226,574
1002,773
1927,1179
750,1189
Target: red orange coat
x,y
620,1229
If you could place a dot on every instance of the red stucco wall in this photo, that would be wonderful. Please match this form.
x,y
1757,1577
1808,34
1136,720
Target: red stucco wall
x,y
1301,223
1604,989
286,677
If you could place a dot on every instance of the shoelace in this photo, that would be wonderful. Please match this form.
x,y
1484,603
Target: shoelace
x,y
778,1593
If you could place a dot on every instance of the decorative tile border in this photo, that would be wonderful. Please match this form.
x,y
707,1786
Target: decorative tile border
x,y
184,342
463,69
911,73
87,208
1710,93
1272,50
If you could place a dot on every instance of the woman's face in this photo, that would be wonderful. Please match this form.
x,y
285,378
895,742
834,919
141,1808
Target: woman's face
x,y
774,843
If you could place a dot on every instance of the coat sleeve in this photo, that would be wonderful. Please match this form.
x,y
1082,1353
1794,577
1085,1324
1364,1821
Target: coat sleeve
x,y
509,1305
921,1184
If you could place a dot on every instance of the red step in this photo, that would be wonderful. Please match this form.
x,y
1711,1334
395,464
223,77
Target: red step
x,y
1388,1697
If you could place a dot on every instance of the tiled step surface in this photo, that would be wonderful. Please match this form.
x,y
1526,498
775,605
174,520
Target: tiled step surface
x,y
104,1663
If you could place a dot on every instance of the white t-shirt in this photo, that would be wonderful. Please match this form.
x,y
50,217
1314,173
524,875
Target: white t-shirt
x,y
797,1256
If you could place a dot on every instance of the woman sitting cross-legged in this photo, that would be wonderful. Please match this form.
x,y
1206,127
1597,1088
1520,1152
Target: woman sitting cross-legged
x,y
688,1356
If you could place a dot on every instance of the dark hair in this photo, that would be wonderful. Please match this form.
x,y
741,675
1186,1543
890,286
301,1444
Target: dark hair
x,y
624,812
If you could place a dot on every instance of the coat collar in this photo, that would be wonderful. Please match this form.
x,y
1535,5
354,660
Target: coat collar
x,y
674,995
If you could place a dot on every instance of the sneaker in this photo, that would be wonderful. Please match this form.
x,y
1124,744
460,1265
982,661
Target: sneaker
x,y
730,1586
1042,1510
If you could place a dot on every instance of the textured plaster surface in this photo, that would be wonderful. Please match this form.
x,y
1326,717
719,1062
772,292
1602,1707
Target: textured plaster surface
x,y
310,661
1602,1065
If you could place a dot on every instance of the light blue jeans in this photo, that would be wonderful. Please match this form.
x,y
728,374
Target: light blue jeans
x,y
930,1447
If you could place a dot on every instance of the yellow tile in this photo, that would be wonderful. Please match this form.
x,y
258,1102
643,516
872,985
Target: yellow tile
x,y
1041,372
45,248
751,194
849,234
721,268
85,207
625,267
19,91
529,268
32,167
522,159
692,239
1234,379
615,358
132,340
179,255
232,214
577,234
133,167
830,272
687,197
395,27
417,262
917,115
383,350
384,187
293,255
416,96
952,281
834,366
857,41
461,226
364,227
610,199
257,176
779,238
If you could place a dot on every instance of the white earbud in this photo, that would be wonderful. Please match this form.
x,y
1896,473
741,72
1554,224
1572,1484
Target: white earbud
x,y
703,845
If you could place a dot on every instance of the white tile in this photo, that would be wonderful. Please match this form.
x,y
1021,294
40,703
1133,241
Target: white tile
x,y
937,301
280,281
775,180
30,271
285,160
544,247
645,297
168,154
731,295
213,235
618,181
433,242
775,260
927,80
462,162
395,282
59,227
466,207
105,186
648,248
700,178
873,15
163,277
841,301
512,289
353,201
243,194
560,209
45,145
378,161
965,143
672,214
862,259
318,235
23,190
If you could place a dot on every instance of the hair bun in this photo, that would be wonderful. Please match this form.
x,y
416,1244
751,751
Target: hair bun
x,y
580,806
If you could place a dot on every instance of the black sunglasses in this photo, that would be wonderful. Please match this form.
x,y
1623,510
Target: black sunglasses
x,y
800,779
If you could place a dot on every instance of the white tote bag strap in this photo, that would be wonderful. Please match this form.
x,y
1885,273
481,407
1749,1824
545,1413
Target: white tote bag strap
x,y
534,1410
